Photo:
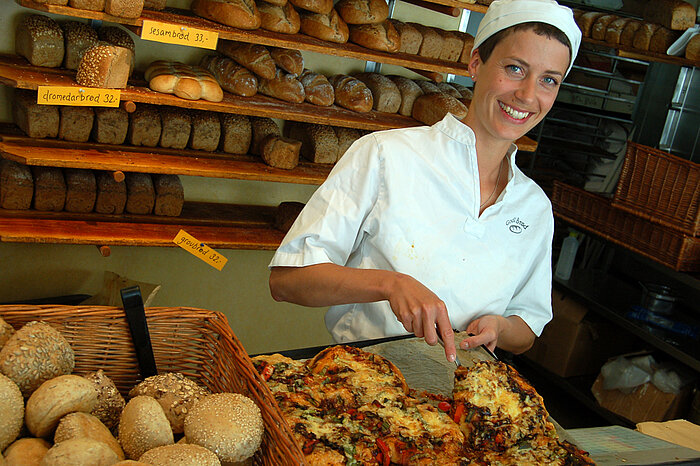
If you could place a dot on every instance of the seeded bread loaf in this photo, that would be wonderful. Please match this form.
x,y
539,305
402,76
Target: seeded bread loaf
x,y
124,8
452,45
319,144
386,97
206,131
409,36
672,14
110,125
428,87
280,152
346,136
105,65
362,11
242,14
92,5
351,93
317,89
144,126
76,123
380,36
117,36
447,88
236,133
39,39
81,190
262,127
111,194
231,76
49,189
278,18
78,37
170,196
176,125
325,26
37,121
409,92
140,194
110,402
16,185
143,426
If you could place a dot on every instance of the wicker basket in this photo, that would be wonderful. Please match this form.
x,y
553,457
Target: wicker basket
x,y
597,215
660,187
196,342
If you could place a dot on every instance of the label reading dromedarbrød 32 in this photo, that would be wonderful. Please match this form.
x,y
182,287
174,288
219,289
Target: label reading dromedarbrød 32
x,y
178,34
78,96
190,244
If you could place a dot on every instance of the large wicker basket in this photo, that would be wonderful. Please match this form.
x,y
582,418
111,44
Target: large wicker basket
x,y
196,342
596,215
660,187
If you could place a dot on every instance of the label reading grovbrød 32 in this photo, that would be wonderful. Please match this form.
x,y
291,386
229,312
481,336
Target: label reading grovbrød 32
x,y
190,244
78,96
178,34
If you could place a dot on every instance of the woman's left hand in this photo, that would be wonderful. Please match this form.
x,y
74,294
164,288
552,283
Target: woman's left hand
x,y
508,333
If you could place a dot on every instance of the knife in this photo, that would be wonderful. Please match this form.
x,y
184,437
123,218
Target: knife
x,y
457,361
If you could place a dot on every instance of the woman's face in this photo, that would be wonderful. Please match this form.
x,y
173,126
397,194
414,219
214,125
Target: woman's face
x,y
517,85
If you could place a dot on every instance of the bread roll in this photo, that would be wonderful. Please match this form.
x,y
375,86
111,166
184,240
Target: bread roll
x,y
409,37
229,424
325,26
317,89
692,50
143,426
84,425
27,451
76,123
262,127
185,81
140,195
170,195
124,8
254,57
351,93
49,189
280,152
144,126
111,194
54,399
81,190
283,19
11,411
35,353
314,6
236,133
106,66
431,108
289,60
180,454
672,14
40,40
110,402
231,76
110,125
37,121
662,39
206,131
386,97
283,86
16,192
242,14
409,92
362,11
77,451
381,36
78,37
600,26
642,38
628,33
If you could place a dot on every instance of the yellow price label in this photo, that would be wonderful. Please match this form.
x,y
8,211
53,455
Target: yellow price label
x,y
178,34
190,244
78,96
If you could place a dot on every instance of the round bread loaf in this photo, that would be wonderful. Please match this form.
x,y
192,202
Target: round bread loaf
x,y
54,399
27,451
77,451
78,425
11,411
130,463
143,426
6,331
182,454
175,393
431,108
229,424
36,353
110,402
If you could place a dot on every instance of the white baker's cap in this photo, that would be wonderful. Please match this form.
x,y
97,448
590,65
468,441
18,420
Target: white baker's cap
x,y
503,14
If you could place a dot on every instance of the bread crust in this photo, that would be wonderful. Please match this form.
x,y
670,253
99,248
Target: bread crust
x,y
351,93
242,14
231,76
185,81
381,36
325,26
431,108
317,89
362,11
283,86
315,6
279,18
254,57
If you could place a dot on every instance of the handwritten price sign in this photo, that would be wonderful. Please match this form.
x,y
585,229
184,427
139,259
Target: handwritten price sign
x,y
179,35
78,96
199,249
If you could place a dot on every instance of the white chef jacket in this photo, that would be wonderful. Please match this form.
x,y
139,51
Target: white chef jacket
x,y
407,200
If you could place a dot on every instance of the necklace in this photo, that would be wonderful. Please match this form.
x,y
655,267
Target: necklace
x,y
498,180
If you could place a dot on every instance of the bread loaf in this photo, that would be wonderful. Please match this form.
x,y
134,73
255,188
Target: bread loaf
x,y
6,330
12,411
110,402
628,33
409,92
386,97
49,189
283,86
317,89
40,40
262,127
185,81
381,36
351,93
236,133
692,50
155,4
76,123
124,8
140,195
466,54
16,186
83,425
314,6
92,5
144,126
37,121
662,39
431,108
346,136
642,38
431,46
180,454
170,195
104,65
78,37
206,131
672,14
26,451
242,14
286,213
110,125
600,26
290,60
231,76
280,152
614,31
111,194
452,45
362,11
409,37
176,125
143,426
586,20
79,451
254,57
319,144
325,26
117,36
447,88
428,87
283,19
81,190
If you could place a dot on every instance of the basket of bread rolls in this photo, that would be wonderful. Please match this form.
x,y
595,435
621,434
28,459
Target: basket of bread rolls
x,y
71,392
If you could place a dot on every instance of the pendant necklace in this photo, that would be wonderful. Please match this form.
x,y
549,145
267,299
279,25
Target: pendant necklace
x,y
498,180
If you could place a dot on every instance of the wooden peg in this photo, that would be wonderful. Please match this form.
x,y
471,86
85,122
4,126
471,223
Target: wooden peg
x,y
128,106
105,251
118,176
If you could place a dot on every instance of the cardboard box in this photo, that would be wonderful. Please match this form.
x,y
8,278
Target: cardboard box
x,y
575,342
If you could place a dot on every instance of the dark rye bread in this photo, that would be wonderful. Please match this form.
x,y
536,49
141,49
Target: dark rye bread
x,y
37,121
170,196
39,39
206,130
386,97
81,190
176,125
236,133
319,144
280,152
78,37
76,123
262,127
111,194
346,136
124,8
286,213
110,125
140,193
16,185
144,126
49,189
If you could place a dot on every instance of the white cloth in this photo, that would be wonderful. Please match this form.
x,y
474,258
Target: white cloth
x,y
408,200
503,14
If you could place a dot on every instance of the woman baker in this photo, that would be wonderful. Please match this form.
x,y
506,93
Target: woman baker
x,y
431,228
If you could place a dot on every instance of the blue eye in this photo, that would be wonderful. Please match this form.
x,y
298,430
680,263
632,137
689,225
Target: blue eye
x,y
551,81
513,68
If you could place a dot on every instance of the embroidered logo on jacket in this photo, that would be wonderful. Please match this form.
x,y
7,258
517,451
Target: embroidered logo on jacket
x,y
515,225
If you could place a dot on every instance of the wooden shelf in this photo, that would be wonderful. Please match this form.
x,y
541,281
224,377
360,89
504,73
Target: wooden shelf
x,y
64,154
222,226
629,52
